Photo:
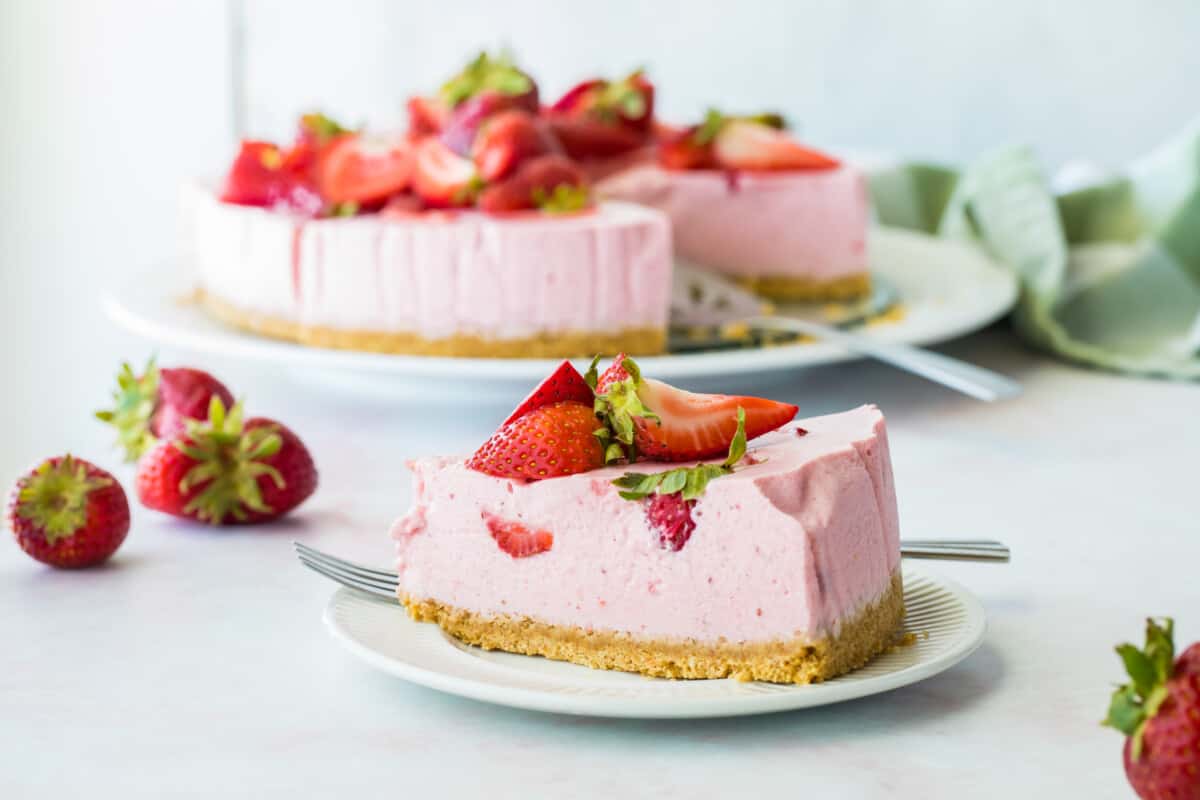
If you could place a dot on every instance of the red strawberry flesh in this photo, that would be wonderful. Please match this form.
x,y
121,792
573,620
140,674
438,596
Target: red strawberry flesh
x,y
516,539
671,516
507,139
541,175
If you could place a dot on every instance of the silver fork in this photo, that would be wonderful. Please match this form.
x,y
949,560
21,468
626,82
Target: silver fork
x,y
382,583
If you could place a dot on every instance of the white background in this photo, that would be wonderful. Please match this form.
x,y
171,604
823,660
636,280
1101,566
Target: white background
x,y
196,664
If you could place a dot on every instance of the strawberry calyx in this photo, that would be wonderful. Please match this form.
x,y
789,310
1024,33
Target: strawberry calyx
x,y
618,406
134,403
321,128
229,462
688,482
54,498
1135,703
562,199
496,73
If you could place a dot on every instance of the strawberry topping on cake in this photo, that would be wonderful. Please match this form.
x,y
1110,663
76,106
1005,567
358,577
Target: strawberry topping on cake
x,y
755,143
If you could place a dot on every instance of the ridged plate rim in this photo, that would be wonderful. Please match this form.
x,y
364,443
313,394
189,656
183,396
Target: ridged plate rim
x,y
948,621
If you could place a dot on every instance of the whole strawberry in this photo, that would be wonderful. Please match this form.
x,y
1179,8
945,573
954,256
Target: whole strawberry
x,y
1159,712
157,404
68,513
224,471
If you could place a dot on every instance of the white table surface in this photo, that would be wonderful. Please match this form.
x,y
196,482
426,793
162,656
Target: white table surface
x,y
196,663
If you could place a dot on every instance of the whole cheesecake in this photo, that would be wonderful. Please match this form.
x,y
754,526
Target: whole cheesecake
x,y
457,283
790,235
784,567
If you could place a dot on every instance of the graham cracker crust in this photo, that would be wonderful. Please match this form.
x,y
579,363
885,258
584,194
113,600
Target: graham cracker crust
x,y
859,640
787,288
635,341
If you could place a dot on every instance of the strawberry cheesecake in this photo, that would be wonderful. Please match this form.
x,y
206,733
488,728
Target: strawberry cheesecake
x,y
748,201
472,234
618,522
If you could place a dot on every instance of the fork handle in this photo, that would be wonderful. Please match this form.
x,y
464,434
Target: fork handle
x,y
977,382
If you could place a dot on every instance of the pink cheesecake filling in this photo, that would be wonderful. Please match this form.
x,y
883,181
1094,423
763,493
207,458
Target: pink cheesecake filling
x,y
802,536
807,224
438,275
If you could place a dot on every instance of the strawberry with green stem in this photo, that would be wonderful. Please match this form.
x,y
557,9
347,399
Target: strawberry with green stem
x,y
226,471
1159,713
68,513
157,404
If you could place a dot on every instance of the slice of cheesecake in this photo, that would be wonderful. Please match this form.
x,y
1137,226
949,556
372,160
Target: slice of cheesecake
x,y
783,567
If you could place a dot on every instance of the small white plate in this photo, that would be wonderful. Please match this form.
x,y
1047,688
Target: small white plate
x,y
947,289
946,619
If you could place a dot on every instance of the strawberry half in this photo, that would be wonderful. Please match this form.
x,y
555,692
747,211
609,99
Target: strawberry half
x,y
516,539
157,404
361,169
441,177
426,115
565,383
224,471
548,442
261,176
662,423
508,138
752,145
68,513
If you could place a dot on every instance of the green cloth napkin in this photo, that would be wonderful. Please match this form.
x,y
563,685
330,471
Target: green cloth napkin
x,y
1110,274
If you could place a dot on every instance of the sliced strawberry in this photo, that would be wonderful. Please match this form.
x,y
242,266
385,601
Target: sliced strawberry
x,y
515,538
465,120
361,169
681,150
261,176
565,383
426,115
753,145
441,177
671,424
506,139
535,183
548,442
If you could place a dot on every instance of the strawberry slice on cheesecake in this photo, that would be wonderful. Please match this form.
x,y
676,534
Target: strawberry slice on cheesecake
x,y
616,521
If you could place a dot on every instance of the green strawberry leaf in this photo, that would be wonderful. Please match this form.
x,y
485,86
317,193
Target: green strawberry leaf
x,y
688,482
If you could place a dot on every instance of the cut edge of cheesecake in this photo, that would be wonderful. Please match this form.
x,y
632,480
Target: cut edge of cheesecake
x,y
800,660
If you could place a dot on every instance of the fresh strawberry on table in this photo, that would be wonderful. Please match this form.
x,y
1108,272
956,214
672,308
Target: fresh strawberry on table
x,y
553,183
653,420
68,513
157,404
1159,713
441,177
226,471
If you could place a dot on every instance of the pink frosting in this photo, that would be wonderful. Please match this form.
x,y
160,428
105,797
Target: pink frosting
x,y
805,224
787,546
439,274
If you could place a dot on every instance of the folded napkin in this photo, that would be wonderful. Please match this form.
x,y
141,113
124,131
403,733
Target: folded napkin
x,y
1110,273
